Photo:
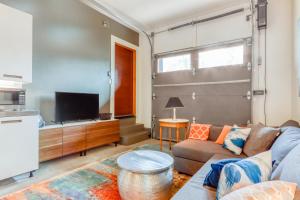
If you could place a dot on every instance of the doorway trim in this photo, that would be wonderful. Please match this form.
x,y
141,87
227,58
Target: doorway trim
x,y
114,41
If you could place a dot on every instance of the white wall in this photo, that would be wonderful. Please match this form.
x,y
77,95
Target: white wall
x,y
296,72
279,65
144,87
279,58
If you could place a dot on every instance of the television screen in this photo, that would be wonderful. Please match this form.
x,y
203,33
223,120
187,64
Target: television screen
x,y
76,106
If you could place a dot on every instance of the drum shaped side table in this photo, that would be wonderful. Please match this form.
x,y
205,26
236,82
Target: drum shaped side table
x,y
145,175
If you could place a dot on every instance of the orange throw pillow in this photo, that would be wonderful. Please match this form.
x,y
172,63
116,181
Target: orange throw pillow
x,y
224,133
199,131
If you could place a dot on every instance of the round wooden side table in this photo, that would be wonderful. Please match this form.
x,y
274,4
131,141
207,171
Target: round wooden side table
x,y
170,123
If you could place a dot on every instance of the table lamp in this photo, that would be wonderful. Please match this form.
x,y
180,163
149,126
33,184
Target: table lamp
x,y
174,102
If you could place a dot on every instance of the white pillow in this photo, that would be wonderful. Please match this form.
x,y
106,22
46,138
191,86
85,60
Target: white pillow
x,y
275,190
236,139
243,173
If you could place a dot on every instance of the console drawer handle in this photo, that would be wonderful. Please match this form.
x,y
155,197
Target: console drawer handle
x,y
12,76
11,121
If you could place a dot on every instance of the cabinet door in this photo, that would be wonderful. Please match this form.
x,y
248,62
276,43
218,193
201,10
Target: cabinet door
x,y
74,139
102,133
16,45
18,145
51,146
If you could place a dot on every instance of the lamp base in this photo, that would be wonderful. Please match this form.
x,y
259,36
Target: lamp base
x,y
174,114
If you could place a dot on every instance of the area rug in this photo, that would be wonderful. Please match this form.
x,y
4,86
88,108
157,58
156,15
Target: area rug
x,y
96,181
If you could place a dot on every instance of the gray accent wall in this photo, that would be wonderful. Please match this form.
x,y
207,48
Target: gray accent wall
x,y
71,51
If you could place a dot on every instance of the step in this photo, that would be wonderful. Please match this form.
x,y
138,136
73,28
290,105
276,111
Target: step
x,y
132,138
131,128
127,121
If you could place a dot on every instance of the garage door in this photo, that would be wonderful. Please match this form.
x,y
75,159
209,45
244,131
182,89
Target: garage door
x,y
213,83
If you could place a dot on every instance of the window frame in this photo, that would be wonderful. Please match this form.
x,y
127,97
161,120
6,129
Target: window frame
x,y
197,66
174,55
194,52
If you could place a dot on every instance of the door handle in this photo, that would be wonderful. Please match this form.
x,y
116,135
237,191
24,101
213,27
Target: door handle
x,y
12,76
11,121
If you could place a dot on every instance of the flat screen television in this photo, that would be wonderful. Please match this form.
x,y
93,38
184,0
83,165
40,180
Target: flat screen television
x,y
76,106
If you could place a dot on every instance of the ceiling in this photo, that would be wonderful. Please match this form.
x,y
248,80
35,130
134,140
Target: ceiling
x,y
153,14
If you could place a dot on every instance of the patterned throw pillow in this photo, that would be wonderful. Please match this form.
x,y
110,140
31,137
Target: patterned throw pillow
x,y
275,190
199,131
236,139
243,173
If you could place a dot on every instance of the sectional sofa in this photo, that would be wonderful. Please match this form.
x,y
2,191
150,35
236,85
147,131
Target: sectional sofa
x,y
194,157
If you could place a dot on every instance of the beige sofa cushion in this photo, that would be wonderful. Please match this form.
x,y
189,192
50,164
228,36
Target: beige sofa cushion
x,y
200,151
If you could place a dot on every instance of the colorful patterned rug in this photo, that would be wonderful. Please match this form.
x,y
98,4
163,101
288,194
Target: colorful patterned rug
x,y
96,181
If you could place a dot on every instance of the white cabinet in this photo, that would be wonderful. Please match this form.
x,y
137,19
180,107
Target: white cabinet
x,y
15,45
19,141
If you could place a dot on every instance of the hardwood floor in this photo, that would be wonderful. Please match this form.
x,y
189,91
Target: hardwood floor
x,y
57,167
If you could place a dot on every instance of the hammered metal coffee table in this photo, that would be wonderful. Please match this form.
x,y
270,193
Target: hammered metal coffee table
x,y
145,175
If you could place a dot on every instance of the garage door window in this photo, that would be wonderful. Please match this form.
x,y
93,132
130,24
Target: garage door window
x,y
174,63
221,57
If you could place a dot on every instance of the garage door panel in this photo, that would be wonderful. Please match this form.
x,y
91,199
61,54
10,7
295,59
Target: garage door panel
x,y
228,73
235,89
219,111
208,109
173,77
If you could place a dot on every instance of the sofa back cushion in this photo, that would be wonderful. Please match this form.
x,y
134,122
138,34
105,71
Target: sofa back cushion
x,y
289,138
290,123
288,168
215,131
260,139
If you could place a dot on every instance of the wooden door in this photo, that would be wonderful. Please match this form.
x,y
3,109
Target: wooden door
x,y
125,59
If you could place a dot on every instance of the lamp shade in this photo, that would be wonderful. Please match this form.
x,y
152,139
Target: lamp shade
x,y
174,102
